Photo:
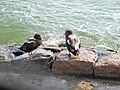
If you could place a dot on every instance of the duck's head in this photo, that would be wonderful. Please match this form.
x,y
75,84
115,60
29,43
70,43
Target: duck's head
x,y
68,32
37,36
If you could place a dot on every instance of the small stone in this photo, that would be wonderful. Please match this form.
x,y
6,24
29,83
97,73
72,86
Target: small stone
x,y
84,85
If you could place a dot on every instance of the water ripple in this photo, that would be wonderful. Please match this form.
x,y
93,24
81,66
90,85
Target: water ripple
x,y
95,22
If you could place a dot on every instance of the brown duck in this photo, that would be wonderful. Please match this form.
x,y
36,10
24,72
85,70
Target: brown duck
x,y
31,44
72,42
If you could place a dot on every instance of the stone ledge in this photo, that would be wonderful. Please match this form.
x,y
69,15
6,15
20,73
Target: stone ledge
x,y
108,66
99,62
74,65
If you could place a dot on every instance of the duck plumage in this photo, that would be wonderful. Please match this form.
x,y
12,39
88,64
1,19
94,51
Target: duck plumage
x,y
72,42
32,43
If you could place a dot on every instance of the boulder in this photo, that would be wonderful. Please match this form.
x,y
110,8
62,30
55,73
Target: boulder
x,y
40,59
80,65
36,54
108,66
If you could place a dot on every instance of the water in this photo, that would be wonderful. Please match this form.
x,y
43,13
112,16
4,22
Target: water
x,y
96,22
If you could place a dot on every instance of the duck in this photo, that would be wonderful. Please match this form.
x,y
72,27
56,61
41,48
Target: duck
x,y
72,43
31,44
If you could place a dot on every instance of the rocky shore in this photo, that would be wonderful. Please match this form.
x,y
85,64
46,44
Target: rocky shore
x,y
97,62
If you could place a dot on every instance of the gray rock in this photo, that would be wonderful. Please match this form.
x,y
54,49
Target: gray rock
x,y
37,54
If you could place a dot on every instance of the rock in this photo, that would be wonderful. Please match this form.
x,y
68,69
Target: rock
x,y
14,49
5,54
108,66
102,51
74,65
53,49
37,54
84,85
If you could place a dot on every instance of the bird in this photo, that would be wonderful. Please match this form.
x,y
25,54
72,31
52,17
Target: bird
x,y
31,44
72,43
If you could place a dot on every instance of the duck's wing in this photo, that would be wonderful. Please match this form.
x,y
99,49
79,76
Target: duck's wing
x,y
28,45
73,41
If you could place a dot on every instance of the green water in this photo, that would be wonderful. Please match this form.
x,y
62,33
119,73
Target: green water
x,y
96,22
